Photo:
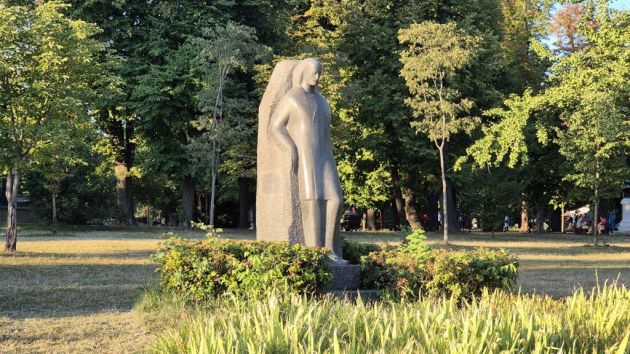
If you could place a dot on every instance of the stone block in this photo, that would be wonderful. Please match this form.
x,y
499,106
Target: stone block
x,y
345,276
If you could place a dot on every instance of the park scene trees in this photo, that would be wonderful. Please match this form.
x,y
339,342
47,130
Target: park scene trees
x,y
502,124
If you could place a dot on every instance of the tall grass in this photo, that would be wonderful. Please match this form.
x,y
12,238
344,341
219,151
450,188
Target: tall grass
x,y
494,322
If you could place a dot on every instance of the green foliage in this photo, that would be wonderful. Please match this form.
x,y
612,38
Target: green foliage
x,y
491,194
582,112
47,74
435,54
200,270
412,271
353,251
415,243
492,323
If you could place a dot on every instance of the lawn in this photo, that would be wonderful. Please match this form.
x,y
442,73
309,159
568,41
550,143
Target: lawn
x,y
75,292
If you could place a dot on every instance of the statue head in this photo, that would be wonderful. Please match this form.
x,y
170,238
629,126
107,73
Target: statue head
x,y
307,73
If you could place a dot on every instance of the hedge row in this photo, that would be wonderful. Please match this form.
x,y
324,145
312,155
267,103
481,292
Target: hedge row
x,y
204,269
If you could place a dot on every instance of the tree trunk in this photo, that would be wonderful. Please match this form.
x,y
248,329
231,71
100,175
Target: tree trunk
x,y
411,210
188,200
243,202
11,193
444,197
453,223
54,212
540,217
399,206
595,223
370,219
124,195
524,218
432,211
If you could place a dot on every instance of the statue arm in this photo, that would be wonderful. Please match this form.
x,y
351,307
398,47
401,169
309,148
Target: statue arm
x,y
278,130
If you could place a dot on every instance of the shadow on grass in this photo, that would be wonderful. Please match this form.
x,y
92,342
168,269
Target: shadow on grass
x,y
63,255
58,291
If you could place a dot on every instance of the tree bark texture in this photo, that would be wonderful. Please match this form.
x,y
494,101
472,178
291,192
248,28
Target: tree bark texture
x,y
453,223
411,210
524,218
444,196
124,195
540,217
243,203
11,193
188,200
398,202
54,213
370,219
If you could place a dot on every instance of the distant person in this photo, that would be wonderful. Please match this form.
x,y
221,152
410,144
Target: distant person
x,y
602,225
612,216
506,223
474,224
578,223
584,225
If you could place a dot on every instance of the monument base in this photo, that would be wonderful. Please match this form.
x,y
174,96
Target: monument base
x,y
624,225
345,276
623,228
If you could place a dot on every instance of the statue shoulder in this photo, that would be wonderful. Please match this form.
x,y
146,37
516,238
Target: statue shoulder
x,y
289,99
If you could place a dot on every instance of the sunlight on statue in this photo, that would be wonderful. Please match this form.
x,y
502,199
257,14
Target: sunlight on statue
x,y
299,129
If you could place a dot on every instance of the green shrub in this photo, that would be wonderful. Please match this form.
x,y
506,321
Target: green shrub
x,y
403,273
398,273
353,251
203,269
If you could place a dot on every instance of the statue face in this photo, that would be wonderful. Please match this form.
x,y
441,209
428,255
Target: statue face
x,y
312,73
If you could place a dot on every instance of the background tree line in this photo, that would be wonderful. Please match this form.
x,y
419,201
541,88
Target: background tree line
x,y
114,110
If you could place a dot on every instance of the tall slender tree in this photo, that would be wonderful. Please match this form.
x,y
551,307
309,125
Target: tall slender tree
x,y
435,54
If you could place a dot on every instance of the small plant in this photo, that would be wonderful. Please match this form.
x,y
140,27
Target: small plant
x,y
415,243
211,231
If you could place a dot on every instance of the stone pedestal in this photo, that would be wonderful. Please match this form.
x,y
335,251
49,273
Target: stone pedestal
x,y
345,276
624,225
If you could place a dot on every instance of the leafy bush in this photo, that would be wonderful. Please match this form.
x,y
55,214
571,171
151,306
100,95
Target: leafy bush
x,y
495,322
353,251
203,269
407,273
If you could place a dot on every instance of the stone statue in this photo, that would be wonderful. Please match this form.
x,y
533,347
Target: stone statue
x,y
299,195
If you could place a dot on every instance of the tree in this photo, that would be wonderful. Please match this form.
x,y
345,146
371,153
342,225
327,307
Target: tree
x,y
592,85
523,21
564,27
435,54
224,49
56,160
125,29
49,64
583,111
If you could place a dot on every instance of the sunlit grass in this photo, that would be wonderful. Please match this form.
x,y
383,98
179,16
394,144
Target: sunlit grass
x,y
497,322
